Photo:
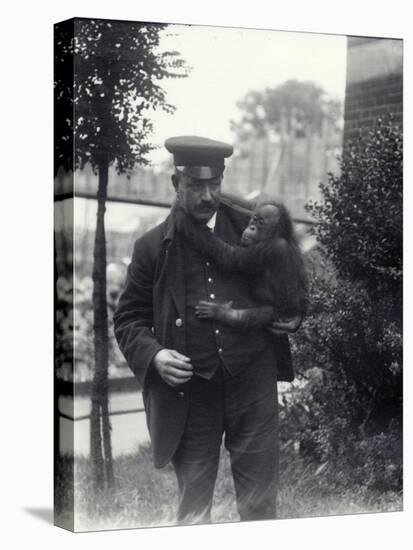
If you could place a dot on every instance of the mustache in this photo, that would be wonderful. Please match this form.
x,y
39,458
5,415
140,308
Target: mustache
x,y
206,205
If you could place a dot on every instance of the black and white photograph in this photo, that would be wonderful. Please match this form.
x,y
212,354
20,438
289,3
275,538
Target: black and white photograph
x,y
228,274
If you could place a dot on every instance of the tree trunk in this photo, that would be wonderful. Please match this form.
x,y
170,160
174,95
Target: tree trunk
x,y
100,443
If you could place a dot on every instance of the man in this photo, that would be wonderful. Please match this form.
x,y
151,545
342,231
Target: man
x,y
200,379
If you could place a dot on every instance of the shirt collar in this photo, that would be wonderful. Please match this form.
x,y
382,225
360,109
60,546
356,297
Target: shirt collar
x,y
170,225
212,221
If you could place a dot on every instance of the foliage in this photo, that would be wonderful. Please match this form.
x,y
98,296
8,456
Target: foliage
x,y
341,452
64,345
349,349
302,106
346,335
117,68
74,326
359,222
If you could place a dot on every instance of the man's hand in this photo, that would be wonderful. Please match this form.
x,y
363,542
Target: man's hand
x,y
285,326
174,368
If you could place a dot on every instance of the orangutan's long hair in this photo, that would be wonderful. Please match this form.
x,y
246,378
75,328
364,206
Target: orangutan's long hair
x,y
288,270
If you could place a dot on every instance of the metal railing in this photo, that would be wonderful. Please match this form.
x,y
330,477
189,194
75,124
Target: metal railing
x,y
83,389
111,413
137,202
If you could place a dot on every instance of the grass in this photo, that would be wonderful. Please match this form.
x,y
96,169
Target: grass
x,y
146,497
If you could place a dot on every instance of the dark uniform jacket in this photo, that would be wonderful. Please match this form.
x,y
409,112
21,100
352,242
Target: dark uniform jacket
x,y
150,316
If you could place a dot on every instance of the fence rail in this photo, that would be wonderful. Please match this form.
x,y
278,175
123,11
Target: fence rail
x,y
111,413
116,385
137,202
124,200
65,388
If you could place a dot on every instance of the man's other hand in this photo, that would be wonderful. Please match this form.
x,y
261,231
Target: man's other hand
x,y
174,368
286,326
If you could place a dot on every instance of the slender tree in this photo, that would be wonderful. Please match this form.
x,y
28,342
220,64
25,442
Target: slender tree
x,y
108,77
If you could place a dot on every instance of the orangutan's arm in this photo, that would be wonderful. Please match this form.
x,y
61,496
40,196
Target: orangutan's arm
x,y
251,260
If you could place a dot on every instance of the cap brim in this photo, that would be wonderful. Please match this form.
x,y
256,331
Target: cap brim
x,y
201,172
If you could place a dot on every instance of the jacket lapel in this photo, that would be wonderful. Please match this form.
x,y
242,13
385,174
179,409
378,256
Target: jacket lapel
x,y
227,228
174,266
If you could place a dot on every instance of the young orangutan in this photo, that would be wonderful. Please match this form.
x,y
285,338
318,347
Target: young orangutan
x,y
268,252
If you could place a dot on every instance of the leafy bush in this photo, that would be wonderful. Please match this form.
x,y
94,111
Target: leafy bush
x,y
359,222
74,326
346,411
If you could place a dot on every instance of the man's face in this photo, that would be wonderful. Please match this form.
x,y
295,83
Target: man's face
x,y
199,198
262,225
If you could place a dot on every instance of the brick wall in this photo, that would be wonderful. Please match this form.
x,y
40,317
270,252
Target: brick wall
x,y
374,84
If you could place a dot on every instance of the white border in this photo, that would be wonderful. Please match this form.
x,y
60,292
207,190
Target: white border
x,y
26,260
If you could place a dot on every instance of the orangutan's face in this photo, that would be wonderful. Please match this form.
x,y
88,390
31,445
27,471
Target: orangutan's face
x,y
262,225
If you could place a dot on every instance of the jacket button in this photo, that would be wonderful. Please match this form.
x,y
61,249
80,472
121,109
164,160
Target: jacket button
x,y
178,322
181,394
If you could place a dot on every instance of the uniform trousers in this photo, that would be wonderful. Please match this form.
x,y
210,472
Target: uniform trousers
x,y
243,407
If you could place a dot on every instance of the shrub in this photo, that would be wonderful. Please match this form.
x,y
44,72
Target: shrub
x,y
349,351
359,222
